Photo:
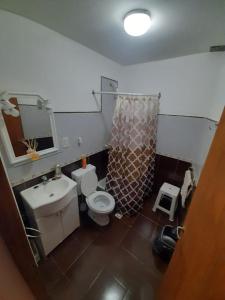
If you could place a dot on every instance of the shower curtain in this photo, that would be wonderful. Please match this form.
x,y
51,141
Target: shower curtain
x,y
132,154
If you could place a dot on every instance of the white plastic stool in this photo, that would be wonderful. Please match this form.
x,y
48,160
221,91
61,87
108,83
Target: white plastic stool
x,y
170,192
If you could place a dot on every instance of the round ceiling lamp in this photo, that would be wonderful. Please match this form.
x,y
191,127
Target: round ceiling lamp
x,y
137,22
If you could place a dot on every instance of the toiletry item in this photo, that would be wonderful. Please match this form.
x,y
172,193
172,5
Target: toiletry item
x,y
58,171
31,145
35,156
32,154
84,161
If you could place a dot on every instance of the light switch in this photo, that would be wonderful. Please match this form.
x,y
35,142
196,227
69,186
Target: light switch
x,y
65,142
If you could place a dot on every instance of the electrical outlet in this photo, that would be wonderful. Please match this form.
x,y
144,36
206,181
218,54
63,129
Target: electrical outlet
x,y
79,140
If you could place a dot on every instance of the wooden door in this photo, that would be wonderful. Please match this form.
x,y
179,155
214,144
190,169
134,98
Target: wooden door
x,y
197,268
12,284
15,130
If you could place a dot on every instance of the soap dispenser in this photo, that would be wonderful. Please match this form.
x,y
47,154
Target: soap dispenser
x,y
58,171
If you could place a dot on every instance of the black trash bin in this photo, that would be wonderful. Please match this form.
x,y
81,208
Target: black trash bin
x,y
164,244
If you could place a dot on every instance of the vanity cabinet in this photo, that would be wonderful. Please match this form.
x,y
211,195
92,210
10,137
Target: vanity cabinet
x,y
70,218
51,231
53,209
54,228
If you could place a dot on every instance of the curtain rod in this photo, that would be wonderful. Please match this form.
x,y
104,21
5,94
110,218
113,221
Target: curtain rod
x,y
120,93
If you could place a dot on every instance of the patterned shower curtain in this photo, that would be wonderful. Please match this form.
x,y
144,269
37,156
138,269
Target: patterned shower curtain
x,y
132,154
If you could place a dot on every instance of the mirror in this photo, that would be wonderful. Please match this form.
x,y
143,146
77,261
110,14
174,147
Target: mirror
x,y
34,128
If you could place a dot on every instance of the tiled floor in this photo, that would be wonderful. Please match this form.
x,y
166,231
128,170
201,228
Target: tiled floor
x,y
113,263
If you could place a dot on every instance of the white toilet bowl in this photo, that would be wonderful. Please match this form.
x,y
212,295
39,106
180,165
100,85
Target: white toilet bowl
x,y
100,204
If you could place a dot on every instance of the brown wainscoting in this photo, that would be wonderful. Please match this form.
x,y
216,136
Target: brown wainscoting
x,y
169,170
99,159
12,231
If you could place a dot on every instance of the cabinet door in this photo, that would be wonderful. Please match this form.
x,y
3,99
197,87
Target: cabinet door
x,y
70,217
51,231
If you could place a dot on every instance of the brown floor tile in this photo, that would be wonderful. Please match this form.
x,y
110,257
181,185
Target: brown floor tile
x,y
147,211
128,295
164,219
129,221
114,261
142,249
50,273
87,233
114,233
106,287
67,252
132,274
144,293
86,269
65,290
144,226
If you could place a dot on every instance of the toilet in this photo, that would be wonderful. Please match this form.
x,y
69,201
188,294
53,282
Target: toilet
x,y
100,204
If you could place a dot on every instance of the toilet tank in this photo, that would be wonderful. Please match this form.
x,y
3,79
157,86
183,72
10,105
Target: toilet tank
x,y
79,173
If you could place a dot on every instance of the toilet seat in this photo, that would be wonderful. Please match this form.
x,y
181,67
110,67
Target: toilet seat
x,y
101,202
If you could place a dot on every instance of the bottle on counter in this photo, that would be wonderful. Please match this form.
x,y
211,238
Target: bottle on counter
x,y
83,161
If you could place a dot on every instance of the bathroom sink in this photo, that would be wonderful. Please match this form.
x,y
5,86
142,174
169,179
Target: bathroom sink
x,y
55,188
50,197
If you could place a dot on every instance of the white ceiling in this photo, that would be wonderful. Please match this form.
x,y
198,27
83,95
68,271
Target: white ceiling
x,y
180,27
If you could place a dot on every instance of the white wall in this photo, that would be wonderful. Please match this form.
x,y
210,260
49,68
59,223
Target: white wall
x,y
191,86
187,83
219,96
37,59
34,58
94,128
184,138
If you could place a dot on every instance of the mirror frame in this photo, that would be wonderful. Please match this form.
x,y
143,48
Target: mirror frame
x,y
16,160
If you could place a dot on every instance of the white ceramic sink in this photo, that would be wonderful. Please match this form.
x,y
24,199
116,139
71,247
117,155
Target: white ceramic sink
x,y
51,197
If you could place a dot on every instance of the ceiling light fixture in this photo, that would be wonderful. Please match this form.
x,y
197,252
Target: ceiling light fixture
x,y
137,22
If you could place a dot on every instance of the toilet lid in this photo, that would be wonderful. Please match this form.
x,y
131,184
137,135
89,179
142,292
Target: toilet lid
x,y
89,183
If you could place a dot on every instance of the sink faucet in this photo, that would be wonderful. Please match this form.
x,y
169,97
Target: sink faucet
x,y
44,179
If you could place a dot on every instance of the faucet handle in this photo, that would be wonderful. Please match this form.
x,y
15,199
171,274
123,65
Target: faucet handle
x,y
44,178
